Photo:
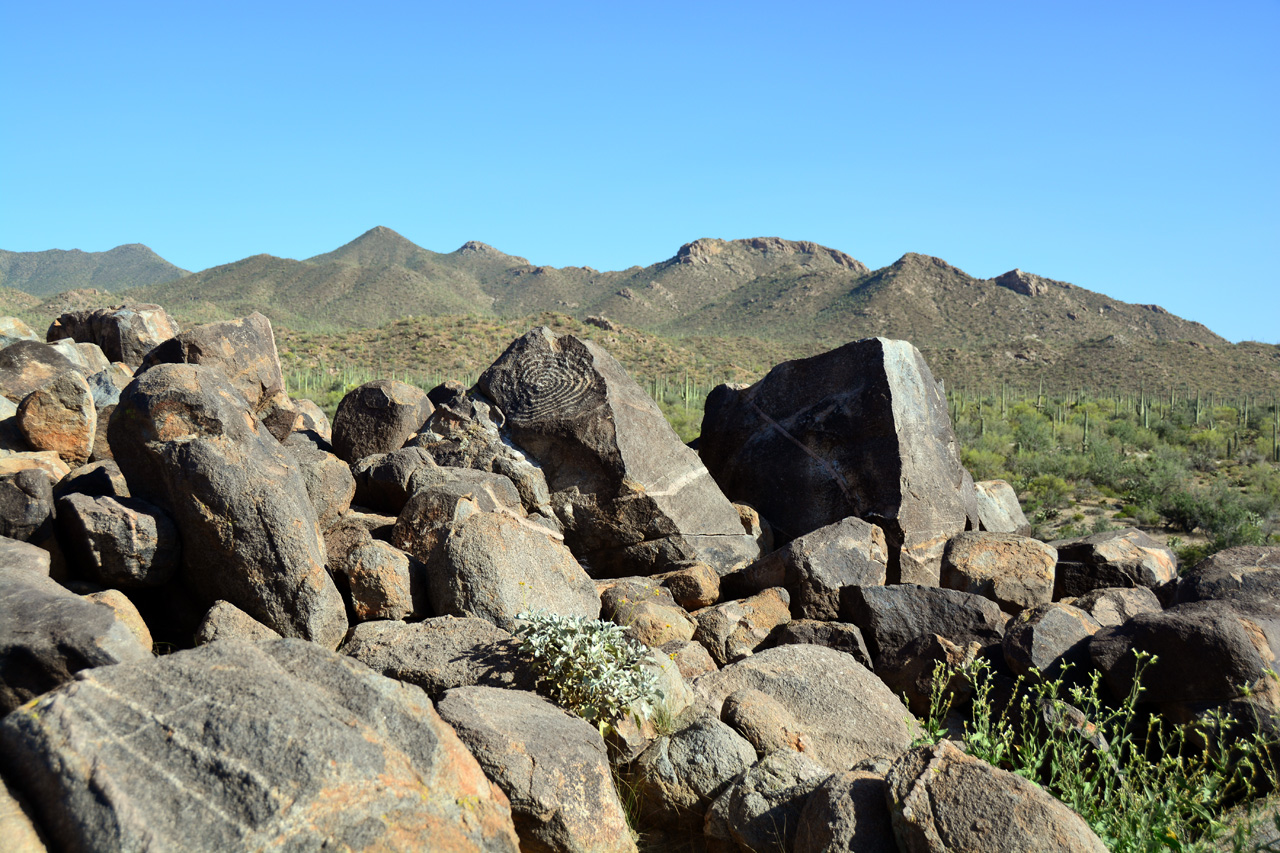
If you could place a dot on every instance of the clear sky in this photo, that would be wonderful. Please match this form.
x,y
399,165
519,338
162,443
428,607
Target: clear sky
x,y
1130,148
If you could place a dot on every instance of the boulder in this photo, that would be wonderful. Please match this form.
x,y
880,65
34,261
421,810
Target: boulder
x,y
124,333
28,365
1048,637
942,800
1117,558
330,486
105,385
101,443
382,479
495,566
632,498
909,670
442,653
815,566
100,479
1112,606
1014,571
734,629
186,752
646,609
691,658
999,510
60,416
26,505
378,417
847,713
1246,578
692,587
24,556
127,611
859,431
892,616
679,775
763,721
185,440
225,621
314,419
87,359
244,349
13,330
119,542
45,460
382,581
48,634
761,809
17,825
841,636
552,765
847,812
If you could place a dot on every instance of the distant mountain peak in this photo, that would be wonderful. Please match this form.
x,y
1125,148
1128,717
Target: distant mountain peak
x,y
704,250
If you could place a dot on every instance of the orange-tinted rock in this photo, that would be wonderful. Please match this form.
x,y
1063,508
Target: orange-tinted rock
x,y
61,417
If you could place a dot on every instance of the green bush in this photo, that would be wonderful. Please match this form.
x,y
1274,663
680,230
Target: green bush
x,y
589,667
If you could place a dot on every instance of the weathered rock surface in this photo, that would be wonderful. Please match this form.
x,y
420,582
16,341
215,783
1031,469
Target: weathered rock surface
x,y
942,800
185,440
632,498
846,711
679,775
442,653
814,567
998,508
692,587
1113,606
225,621
1014,571
1048,637
382,479
26,505
119,542
48,634
96,480
124,333
244,349
1117,558
17,826
841,636
24,556
184,753
892,616
28,365
763,721
847,813
60,416
761,810
378,417
87,359
1245,578
553,766
909,670
734,629
495,566
127,612
13,330
859,431
330,486
691,658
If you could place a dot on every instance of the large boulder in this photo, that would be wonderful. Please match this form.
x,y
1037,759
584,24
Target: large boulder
x,y
1049,637
632,497
1014,571
28,365
330,485
814,567
862,430
378,417
942,801
48,634
890,617
1246,578
60,416
240,746
119,542
442,653
384,481
845,712
1116,558
245,350
998,508
552,765
125,332
185,440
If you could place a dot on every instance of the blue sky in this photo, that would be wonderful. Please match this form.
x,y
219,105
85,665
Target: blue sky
x,y
1130,148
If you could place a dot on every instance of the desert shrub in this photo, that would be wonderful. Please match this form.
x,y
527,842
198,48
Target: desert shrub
x,y
589,667
984,464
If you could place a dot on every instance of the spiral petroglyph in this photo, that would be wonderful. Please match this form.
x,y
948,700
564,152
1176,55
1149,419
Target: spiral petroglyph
x,y
554,385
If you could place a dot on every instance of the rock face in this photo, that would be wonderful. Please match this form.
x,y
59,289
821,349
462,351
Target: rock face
x,y
1118,558
859,431
943,800
1015,572
761,810
553,766
120,542
245,350
28,365
125,333
186,440
847,812
48,634
26,505
999,510
1047,637
183,753
892,616
681,774
378,417
846,712
61,417
814,567
1246,578
632,498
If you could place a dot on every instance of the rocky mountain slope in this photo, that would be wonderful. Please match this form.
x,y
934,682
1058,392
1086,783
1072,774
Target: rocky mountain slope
x,y
46,273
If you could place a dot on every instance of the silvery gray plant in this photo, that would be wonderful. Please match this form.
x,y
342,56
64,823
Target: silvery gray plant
x,y
589,666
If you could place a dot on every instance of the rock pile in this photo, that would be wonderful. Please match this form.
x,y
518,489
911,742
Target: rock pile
x,y
337,619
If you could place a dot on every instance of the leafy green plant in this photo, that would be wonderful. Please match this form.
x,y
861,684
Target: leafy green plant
x,y
589,667
1141,784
